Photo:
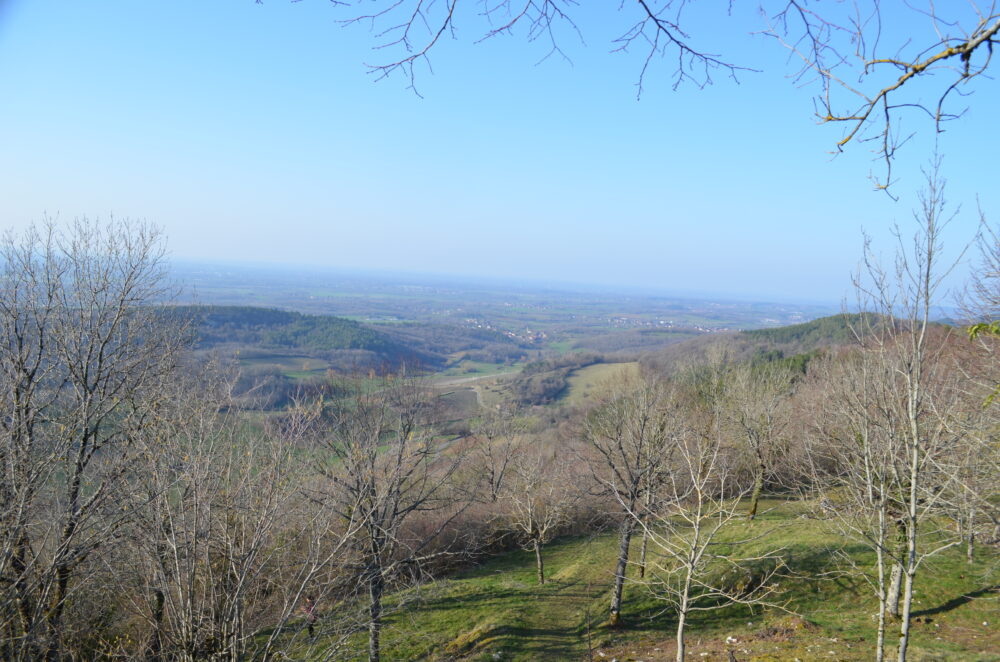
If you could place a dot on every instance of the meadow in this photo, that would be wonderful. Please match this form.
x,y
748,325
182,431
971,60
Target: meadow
x,y
497,611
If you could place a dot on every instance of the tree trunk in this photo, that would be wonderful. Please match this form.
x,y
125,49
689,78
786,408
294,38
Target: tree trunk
x,y
376,587
896,580
681,650
882,596
642,553
648,502
54,618
628,526
156,641
538,561
62,564
758,487
904,631
25,606
895,590
970,538
910,568
682,612
911,524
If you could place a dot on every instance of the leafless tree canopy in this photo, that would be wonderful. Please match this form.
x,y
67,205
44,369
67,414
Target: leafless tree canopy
x,y
872,71
872,64
627,434
83,354
382,466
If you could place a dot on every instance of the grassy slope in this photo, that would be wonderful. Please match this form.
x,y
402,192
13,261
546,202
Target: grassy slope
x,y
496,609
582,382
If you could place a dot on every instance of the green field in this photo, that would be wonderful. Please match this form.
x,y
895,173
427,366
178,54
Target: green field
x,y
492,392
295,366
496,611
584,382
561,346
469,368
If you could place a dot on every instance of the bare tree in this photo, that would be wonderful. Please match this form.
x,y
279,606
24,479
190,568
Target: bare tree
x,y
383,466
972,461
539,496
978,463
861,423
917,281
698,565
973,465
755,396
625,433
223,542
980,303
498,436
83,354
897,401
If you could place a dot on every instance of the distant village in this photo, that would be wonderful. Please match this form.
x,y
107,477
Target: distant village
x,y
634,322
530,336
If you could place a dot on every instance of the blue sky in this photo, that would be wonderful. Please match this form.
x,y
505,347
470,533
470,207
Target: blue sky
x,y
253,132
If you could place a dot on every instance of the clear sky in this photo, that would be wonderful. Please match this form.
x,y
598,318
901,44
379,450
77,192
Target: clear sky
x,y
253,132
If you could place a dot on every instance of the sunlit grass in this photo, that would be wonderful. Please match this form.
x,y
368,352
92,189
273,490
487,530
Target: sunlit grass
x,y
498,609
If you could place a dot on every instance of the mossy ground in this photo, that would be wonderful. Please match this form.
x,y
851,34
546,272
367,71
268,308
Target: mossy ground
x,y
497,611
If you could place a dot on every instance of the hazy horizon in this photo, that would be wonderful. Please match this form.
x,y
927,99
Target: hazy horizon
x,y
429,278
253,132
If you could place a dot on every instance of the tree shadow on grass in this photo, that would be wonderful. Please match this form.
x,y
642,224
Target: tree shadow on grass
x,y
818,568
543,643
506,598
494,597
954,603
531,622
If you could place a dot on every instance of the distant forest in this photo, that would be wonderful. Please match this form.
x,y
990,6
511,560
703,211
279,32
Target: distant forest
x,y
272,343
271,328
